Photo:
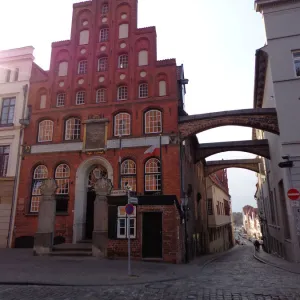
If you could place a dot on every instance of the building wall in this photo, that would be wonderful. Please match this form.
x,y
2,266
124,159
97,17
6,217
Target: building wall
x,y
15,70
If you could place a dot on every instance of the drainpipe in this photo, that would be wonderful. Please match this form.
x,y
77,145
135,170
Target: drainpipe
x,y
16,183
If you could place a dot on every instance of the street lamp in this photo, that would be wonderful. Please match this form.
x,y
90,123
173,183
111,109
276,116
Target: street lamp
x,y
184,208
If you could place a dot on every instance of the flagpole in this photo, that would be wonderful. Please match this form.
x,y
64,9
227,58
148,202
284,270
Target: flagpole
x,y
120,159
160,159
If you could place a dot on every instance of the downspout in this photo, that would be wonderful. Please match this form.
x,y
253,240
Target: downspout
x,y
17,175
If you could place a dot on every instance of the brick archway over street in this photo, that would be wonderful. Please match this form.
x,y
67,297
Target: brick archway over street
x,y
216,165
260,118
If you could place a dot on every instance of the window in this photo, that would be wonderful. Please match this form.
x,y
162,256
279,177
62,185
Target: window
x,y
43,101
4,156
72,130
296,56
209,207
122,124
143,90
39,175
123,223
128,174
102,64
104,8
123,61
84,37
143,58
80,97
152,175
122,92
8,111
60,99
62,178
45,131
7,76
104,33
162,88
63,68
123,31
101,95
82,67
153,121
16,78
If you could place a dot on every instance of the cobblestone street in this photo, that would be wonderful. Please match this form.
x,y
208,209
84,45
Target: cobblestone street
x,y
235,275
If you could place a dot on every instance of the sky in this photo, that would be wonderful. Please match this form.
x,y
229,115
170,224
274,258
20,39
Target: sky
x,y
214,39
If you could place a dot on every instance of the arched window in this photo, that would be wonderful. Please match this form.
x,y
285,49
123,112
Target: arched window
x,y
104,34
102,64
62,178
128,174
82,67
45,131
143,58
80,96
122,124
40,173
60,99
123,61
122,92
123,31
153,121
152,175
162,88
143,90
63,68
104,9
84,37
72,130
101,95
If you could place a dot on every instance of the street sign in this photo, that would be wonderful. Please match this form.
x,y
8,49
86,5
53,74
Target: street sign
x,y
129,208
293,194
133,200
118,193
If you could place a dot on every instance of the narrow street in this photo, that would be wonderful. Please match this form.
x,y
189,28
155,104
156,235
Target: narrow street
x,y
235,275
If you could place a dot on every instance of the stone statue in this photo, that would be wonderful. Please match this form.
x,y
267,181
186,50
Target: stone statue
x,y
48,188
103,186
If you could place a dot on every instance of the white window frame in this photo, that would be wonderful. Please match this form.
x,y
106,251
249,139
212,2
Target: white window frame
x,y
122,94
104,9
104,34
82,67
80,98
101,95
149,122
102,64
49,125
72,129
119,119
122,216
296,59
143,90
123,61
60,98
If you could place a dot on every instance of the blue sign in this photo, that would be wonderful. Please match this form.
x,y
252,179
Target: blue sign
x,y
129,208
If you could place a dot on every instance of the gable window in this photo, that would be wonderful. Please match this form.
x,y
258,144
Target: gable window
x,y
162,88
296,56
123,61
123,223
7,76
8,111
101,95
45,131
143,90
153,121
16,78
143,58
152,175
102,64
122,123
4,157
60,99
123,31
72,130
63,68
128,174
84,37
104,34
122,92
43,101
104,8
39,175
80,96
62,178
82,67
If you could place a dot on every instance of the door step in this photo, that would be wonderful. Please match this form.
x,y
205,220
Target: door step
x,y
85,242
81,249
71,253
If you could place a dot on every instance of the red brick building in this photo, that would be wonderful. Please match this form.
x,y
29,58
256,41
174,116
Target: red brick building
x,y
105,100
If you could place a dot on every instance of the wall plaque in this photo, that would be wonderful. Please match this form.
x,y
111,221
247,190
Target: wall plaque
x,y
95,135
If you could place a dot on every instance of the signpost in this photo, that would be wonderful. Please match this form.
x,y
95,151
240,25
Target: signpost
x,y
293,194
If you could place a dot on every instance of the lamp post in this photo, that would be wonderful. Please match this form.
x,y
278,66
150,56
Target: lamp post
x,y
184,207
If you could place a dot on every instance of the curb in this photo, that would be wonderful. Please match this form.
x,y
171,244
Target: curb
x,y
273,265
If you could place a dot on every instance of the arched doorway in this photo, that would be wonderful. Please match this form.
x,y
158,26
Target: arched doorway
x,y
86,176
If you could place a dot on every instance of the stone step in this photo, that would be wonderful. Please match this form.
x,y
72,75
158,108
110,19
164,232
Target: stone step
x,y
71,253
85,242
84,247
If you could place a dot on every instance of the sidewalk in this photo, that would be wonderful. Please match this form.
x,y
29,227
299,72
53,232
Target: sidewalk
x,y
277,262
19,266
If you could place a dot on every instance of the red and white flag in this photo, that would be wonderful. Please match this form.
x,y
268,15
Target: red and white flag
x,y
153,150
